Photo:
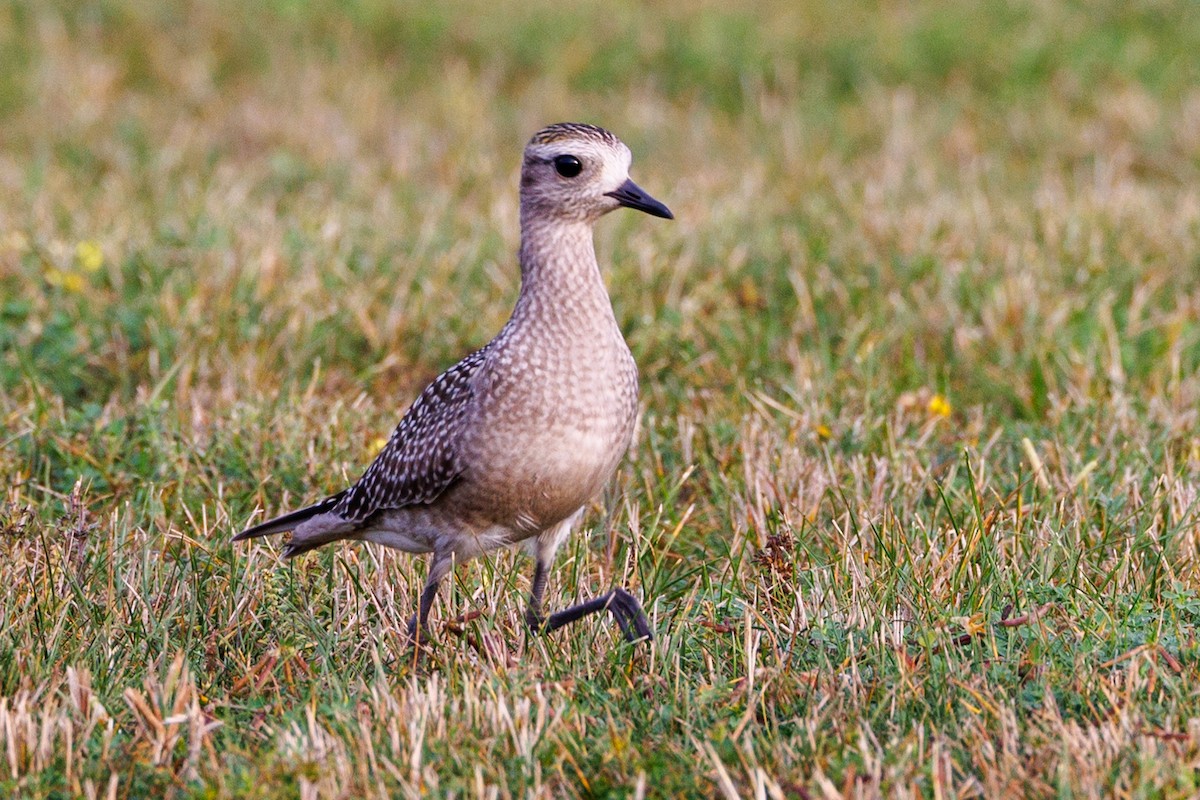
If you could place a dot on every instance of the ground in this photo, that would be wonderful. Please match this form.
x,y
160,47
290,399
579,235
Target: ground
x,y
914,503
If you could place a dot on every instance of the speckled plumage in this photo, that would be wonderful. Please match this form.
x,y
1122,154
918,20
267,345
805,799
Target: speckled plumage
x,y
422,457
509,444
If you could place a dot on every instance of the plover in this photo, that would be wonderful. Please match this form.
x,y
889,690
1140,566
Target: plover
x,y
512,442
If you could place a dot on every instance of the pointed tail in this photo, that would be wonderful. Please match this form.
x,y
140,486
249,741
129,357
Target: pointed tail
x,y
289,521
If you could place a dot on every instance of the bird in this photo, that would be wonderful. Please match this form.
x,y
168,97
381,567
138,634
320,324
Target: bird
x,y
510,445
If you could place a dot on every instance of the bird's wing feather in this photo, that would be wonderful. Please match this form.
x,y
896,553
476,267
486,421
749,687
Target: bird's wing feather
x,y
289,521
422,458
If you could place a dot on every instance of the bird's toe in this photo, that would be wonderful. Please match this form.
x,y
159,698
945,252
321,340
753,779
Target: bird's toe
x,y
629,615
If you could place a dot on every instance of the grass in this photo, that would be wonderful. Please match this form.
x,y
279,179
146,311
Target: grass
x,y
914,504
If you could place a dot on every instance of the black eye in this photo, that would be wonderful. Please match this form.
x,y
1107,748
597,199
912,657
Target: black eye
x,y
568,166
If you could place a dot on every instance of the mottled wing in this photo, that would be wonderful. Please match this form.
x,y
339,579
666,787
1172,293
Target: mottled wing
x,y
422,459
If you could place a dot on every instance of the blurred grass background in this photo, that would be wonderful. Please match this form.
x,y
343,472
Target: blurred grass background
x,y
918,356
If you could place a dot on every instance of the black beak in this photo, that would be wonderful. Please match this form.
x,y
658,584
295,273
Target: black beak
x,y
631,196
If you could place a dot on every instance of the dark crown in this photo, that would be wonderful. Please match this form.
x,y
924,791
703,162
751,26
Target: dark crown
x,y
572,130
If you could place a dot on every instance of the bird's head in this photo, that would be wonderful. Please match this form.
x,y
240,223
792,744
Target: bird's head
x,y
578,172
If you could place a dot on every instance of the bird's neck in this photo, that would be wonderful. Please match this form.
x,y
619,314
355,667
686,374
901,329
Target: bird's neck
x,y
560,275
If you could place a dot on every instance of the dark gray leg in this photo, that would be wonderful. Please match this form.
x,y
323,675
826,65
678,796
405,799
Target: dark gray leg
x,y
624,607
418,630
533,614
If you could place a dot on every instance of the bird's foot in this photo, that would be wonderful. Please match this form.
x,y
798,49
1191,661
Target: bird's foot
x,y
419,636
623,606
535,621
630,616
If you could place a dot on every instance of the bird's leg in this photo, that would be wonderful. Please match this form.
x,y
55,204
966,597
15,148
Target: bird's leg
x,y
624,607
418,630
622,604
533,613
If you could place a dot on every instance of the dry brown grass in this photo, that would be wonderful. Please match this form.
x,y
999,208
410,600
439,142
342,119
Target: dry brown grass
x,y
914,503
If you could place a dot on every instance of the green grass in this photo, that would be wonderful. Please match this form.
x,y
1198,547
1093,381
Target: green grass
x,y
915,504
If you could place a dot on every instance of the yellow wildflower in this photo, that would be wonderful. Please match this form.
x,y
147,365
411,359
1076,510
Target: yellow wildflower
x,y
377,446
973,625
823,432
939,406
73,282
89,255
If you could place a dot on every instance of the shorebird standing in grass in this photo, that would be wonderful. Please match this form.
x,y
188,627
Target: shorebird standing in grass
x,y
511,443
